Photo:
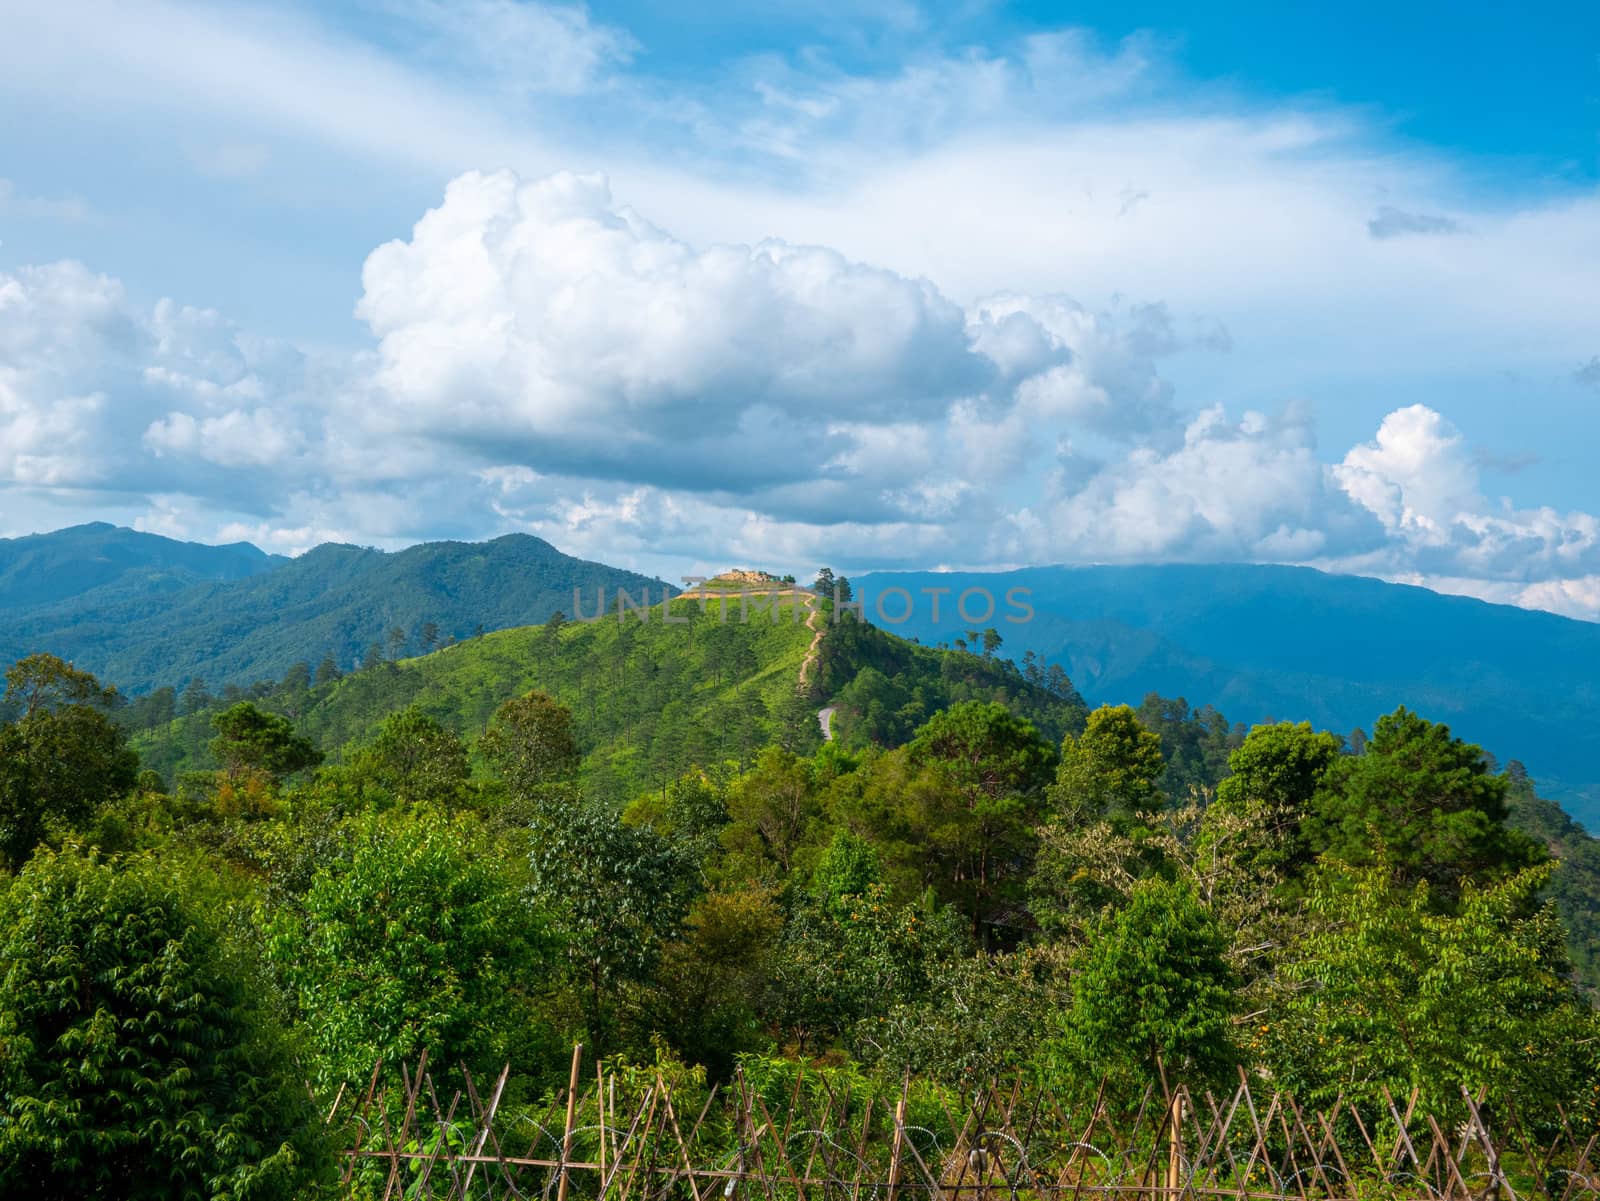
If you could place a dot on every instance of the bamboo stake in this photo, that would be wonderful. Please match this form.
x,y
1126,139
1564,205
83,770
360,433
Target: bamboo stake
x,y
754,1134
485,1119
361,1113
572,1105
683,1148
783,1153
413,1087
1582,1163
600,1108
899,1138
441,1142
1440,1140
861,1150
1174,1143
1497,1180
627,1141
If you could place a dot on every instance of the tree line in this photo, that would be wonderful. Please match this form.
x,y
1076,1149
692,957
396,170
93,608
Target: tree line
x,y
1145,893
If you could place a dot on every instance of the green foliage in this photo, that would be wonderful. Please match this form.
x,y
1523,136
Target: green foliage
x,y
983,1018
848,868
711,980
1195,744
984,772
415,936
885,687
60,759
1390,992
691,812
414,758
1111,770
1277,773
774,811
845,960
43,684
1426,798
1083,868
251,740
531,746
1152,993
140,1056
1575,881
985,750
614,894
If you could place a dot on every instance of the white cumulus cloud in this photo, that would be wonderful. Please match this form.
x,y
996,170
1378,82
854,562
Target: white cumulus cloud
x,y
545,358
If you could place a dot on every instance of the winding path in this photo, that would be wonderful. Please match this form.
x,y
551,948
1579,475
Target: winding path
x,y
824,716
814,623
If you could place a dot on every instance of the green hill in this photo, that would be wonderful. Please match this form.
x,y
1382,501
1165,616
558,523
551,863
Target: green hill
x,y
333,601
650,699
101,564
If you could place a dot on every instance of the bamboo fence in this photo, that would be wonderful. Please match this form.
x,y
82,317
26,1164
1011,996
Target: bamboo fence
x,y
634,1138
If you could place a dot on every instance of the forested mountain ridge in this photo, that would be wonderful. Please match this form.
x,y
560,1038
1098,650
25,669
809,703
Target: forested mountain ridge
x,y
334,601
98,564
650,699
1257,642
1292,643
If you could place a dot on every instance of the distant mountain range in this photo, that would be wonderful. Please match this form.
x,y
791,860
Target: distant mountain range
x,y
143,611
1295,644
100,564
1257,642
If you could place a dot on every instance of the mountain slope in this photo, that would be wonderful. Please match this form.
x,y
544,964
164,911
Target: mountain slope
x,y
101,564
649,700
1293,643
334,600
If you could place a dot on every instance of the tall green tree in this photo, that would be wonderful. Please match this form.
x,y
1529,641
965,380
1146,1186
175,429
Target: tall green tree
x,y
1112,770
1152,994
615,894
249,739
987,769
711,980
414,758
845,959
43,684
533,748
773,810
1388,992
415,935
1277,773
1424,801
61,758
140,1055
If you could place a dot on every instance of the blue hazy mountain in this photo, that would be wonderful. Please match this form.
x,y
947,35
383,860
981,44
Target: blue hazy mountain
x,y
141,611
100,564
1290,643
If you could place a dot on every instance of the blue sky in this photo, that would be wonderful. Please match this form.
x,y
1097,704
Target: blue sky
x,y
881,284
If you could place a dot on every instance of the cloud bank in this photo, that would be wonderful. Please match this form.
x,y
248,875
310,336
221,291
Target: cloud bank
x,y
543,357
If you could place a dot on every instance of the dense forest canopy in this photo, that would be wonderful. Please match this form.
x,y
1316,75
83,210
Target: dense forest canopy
x,y
634,834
